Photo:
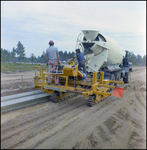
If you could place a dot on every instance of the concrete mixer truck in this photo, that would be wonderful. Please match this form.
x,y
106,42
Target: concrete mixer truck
x,y
105,67
103,54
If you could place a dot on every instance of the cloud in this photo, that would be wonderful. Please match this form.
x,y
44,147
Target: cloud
x,y
36,22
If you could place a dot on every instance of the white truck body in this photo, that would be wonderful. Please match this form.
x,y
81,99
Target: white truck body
x,y
99,50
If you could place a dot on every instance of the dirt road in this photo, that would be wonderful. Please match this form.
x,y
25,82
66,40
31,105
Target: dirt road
x,y
113,123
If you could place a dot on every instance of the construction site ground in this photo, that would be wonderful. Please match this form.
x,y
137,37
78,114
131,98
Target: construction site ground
x,y
114,123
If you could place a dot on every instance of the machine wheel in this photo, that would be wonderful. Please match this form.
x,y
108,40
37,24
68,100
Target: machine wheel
x,y
128,76
54,97
90,102
84,86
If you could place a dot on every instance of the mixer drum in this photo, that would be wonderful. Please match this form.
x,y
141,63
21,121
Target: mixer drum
x,y
99,50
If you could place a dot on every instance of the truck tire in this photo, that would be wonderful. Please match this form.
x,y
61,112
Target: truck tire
x,y
127,78
117,78
112,77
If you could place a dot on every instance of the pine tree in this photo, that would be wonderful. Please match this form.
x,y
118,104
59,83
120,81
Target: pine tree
x,y
13,54
144,60
20,50
5,55
32,58
139,59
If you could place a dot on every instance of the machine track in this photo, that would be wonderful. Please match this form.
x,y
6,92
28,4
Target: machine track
x,y
56,98
91,101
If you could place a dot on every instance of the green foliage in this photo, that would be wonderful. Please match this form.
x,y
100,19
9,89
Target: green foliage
x,y
13,54
65,56
144,60
32,57
41,59
18,67
20,50
7,56
137,60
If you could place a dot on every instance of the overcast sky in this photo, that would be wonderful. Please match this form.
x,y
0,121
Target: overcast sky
x,y
34,23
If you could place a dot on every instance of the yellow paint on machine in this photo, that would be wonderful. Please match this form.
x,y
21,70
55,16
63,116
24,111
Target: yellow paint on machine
x,y
95,90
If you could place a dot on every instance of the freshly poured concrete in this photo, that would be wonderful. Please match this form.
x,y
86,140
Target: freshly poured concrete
x,y
12,102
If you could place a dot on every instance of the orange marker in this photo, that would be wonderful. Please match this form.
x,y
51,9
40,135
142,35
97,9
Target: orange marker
x,y
118,92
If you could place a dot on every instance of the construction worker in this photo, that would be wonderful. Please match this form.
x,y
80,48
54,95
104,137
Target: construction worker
x,y
52,59
81,60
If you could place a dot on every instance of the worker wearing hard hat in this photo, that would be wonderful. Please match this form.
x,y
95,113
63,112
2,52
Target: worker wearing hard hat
x,y
81,60
52,59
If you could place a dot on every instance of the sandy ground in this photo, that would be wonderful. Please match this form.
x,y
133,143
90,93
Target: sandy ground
x,y
18,82
113,123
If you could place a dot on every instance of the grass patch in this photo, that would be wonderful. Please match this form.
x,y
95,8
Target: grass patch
x,y
19,67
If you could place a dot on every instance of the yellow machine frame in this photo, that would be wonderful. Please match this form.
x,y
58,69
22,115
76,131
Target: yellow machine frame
x,y
100,88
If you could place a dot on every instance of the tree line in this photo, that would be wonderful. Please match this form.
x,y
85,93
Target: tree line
x,y
7,56
137,60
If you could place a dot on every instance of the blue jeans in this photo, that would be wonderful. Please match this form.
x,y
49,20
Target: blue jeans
x,y
82,66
